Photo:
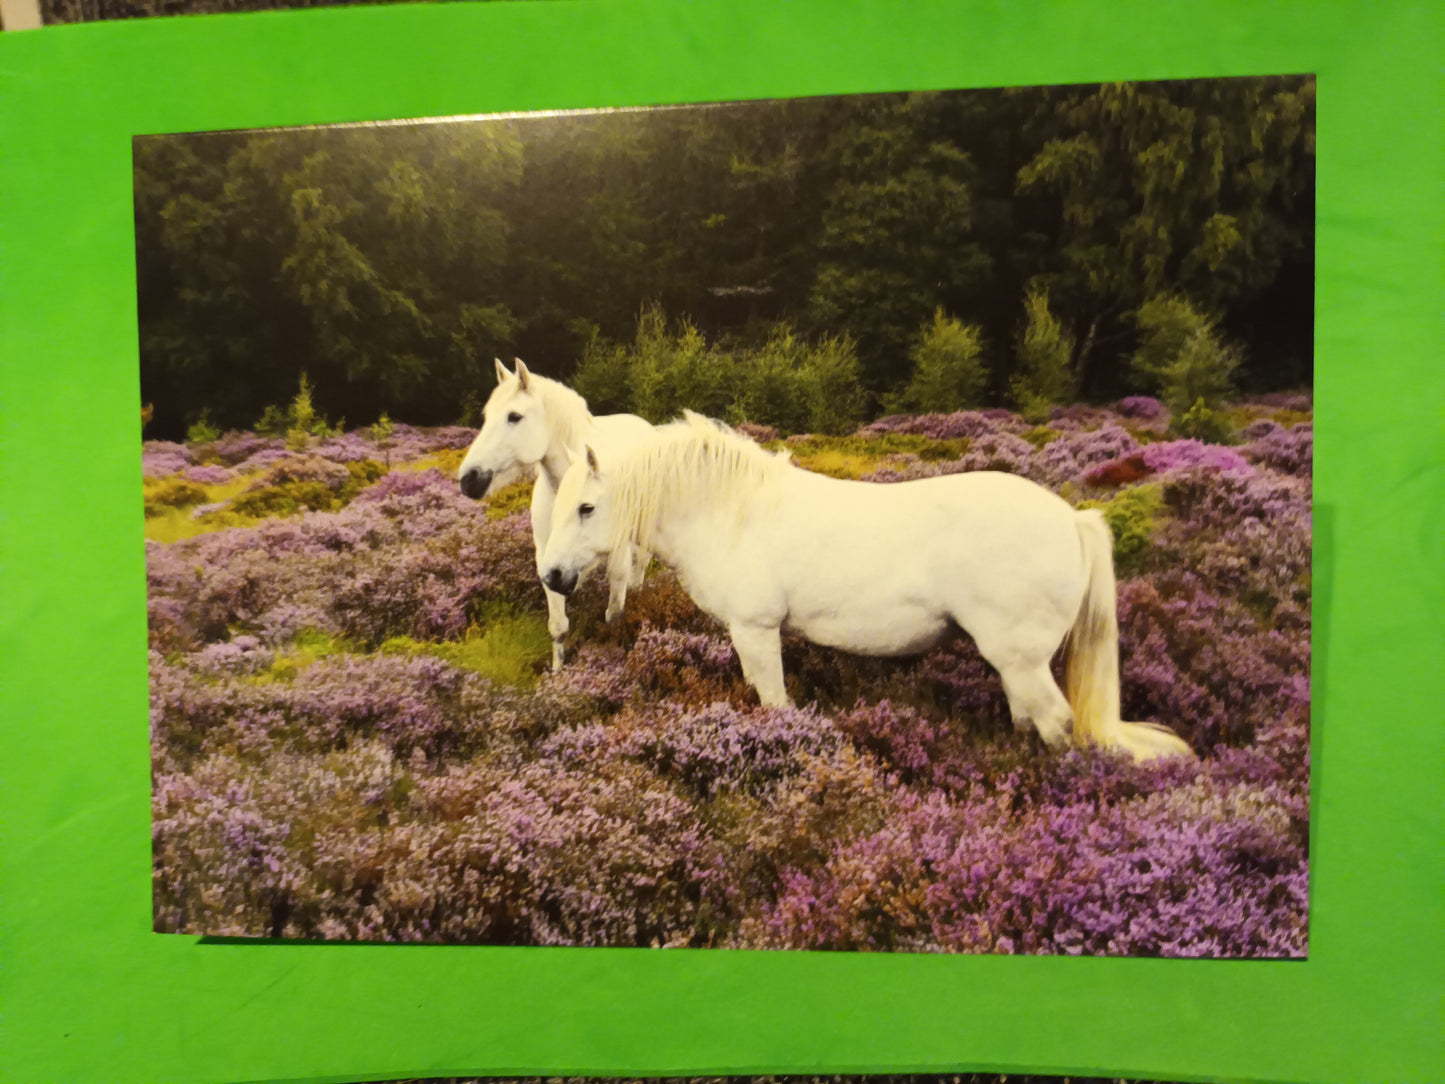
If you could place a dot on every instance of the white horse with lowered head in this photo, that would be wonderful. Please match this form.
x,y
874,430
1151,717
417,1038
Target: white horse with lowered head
x,y
874,569
528,423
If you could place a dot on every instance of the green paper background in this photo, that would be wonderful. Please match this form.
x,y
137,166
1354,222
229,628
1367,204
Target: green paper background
x,y
91,994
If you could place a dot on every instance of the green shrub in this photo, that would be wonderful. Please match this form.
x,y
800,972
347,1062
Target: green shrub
x,y
381,434
472,407
1131,518
1165,324
771,384
202,431
171,493
363,473
1041,436
1183,359
308,646
796,387
1203,423
299,422
676,370
511,499
504,645
882,444
603,378
1045,375
286,499
273,422
948,370
855,456
832,384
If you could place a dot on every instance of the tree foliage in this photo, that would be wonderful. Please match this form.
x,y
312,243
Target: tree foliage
x,y
393,262
1045,375
948,369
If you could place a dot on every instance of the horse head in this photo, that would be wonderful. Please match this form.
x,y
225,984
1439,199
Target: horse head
x,y
514,433
581,524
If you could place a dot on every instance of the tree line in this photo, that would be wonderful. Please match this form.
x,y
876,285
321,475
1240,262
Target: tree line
x,y
870,253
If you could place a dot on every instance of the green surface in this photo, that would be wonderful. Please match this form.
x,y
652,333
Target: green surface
x,y
90,994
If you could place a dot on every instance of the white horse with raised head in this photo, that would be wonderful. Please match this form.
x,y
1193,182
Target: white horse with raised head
x,y
874,569
528,423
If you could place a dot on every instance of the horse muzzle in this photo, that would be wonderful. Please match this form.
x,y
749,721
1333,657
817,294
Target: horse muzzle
x,y
475,483
563,583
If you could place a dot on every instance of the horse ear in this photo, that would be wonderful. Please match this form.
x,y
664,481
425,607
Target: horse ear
x,y
522,374
592,460
502,373
572,454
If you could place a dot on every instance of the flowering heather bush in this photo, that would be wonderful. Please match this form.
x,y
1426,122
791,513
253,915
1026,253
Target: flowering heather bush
x,y
162,458
304,468
1218,876
1290,451
263,458
760,433
964,423
998,451
330,762
1143,407
235,447
1079,417
1162,458
1183,454
209,475
1300,402
1074,453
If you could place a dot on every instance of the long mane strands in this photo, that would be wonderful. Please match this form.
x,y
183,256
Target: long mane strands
x,y
567,414
687,464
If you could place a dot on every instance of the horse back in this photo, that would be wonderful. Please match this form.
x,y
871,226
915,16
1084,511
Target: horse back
x,y
617,431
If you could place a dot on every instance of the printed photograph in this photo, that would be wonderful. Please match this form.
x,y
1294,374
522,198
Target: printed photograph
x,y
911,1078
868,523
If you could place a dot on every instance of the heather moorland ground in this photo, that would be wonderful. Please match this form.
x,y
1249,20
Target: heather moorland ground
x,y
355,734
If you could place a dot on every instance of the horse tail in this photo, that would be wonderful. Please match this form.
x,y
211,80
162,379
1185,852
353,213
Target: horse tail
x,y
1091,658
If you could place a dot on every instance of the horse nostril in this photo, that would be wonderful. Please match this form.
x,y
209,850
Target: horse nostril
x,y
560,582
475,483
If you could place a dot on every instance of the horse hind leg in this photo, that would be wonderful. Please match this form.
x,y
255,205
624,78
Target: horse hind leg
x,y
1034,699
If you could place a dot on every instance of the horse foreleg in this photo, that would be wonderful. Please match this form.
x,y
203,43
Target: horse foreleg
x,y
641,558
620,572
557,624
760,650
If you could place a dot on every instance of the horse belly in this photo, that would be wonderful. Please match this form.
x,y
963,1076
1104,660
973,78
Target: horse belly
x,y
894,631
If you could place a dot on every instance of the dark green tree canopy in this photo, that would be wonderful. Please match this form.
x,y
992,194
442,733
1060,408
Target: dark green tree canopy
x,y
392,262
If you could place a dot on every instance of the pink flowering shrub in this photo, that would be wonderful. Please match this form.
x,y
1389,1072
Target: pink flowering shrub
x,y
1183,454
1290,451
209,475
329,760
233,447
1074,453
163,458
1143,407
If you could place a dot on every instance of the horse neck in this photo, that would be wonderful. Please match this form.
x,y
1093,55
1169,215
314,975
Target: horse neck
x,y
568,422
673,521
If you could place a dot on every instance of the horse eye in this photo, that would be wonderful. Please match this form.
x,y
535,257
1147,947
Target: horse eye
x,y
585,510
513,418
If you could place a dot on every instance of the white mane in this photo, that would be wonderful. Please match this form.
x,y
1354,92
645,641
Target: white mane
x,y
568,417
691,463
